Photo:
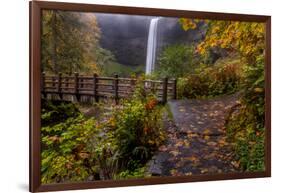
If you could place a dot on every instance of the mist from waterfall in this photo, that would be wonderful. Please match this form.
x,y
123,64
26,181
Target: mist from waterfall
x,y
151,46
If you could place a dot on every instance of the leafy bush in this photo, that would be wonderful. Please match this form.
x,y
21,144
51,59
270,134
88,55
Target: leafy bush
x,y
245,132
210,81
65,151
57,111
138,127
175,60
254,88
133,133
246,127
129,174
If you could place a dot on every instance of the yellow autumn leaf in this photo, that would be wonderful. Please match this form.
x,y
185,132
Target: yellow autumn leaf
x,y
173,172
212,143
186,143
174,153
179,144
207,131
206,137
204,170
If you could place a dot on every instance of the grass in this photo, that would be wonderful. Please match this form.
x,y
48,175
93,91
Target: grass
x,y
123,70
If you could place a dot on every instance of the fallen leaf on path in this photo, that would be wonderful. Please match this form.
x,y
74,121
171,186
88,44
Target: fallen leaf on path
x,y
222,142
210,156
179,143
212,143
182,110
174,153
207,131
163,148
195,129
191,135
206,137
204,170
193,159
186,143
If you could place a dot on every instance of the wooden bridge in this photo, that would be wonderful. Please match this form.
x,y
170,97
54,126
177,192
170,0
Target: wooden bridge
x,y
96,87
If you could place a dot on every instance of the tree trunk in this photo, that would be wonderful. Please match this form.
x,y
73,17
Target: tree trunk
x,y
54,42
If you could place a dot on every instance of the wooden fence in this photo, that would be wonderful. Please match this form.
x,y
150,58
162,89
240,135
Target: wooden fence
x,y
97,87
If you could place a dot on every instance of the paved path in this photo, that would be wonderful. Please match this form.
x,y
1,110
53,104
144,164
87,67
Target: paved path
x,y
196,141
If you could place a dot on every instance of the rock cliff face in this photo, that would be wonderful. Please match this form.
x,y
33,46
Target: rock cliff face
x,y
126,36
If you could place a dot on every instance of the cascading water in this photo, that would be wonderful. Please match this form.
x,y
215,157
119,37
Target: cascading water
x,y
151,46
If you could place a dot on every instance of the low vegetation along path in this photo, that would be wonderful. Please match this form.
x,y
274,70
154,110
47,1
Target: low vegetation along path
x,y
196,142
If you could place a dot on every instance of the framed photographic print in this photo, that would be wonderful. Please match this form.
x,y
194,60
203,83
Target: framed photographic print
x,y
123,96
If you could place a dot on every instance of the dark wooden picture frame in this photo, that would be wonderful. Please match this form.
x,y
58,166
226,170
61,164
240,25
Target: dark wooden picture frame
x,y
35,103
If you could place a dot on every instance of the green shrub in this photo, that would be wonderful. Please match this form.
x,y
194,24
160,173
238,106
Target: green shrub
x,y
210,81
54,111
134,131
244,131
245,128
255,88
138,127
131,174
65,151
251,154
175,61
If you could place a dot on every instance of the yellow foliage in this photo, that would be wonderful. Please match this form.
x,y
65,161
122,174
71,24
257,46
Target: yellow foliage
x,y
247,38
188,23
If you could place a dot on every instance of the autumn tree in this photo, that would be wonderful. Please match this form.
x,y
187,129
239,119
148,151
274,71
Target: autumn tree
x,y
69,41
246,38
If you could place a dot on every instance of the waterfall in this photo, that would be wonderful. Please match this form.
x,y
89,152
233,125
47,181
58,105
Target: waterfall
x,y
151,46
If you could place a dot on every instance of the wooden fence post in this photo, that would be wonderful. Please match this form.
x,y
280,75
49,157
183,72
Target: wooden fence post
x,y
165,88
66,83
175,89
95,87
116,89
133,86
59,86
153,87
43,84
54,85
54,82
82,83
76,86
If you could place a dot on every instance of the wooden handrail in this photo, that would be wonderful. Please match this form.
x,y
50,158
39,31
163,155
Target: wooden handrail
x,y
96,86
